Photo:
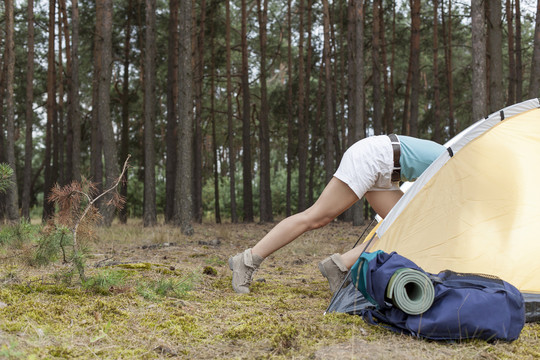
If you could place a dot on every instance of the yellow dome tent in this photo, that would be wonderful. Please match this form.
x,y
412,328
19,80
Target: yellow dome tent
x,y
476,209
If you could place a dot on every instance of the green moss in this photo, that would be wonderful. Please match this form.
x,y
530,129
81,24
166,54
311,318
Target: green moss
x,y
107,310
59,351
208,270
136,266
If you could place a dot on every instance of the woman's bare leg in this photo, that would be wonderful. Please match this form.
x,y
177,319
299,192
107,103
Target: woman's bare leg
x,y
335,199
382,202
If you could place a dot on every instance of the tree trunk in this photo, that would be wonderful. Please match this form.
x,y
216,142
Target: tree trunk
x,y
74,94
48,207
437,136
198,84
309,123
68,144
329,157
405,128
519,60
511,54
317,134
447,36
376,71
110,154
3,71
124,98
12,197
217,210
494,48
415,66
387,117
183,212
290,110
246,127
358,89
534,85
479,98
59,133
149,212
264,132
302,115
230,125
172,106
96,166
28,147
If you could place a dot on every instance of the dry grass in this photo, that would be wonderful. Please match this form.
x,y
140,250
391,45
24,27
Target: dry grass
x,y
42,318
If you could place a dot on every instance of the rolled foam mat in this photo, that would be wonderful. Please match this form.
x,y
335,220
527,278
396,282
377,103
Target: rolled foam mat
x,y
411,291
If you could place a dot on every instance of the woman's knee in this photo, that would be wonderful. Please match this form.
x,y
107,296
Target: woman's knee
x,y
315,220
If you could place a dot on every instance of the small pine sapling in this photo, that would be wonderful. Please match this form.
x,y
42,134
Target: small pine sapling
x,y
76,219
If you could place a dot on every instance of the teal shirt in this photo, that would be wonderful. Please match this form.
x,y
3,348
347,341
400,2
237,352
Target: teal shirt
x,y
416,156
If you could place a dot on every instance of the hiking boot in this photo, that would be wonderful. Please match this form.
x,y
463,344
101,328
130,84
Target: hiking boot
x,y
333,269
243,265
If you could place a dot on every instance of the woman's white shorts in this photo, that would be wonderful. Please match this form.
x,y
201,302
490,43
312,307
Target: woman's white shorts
x,y
367,166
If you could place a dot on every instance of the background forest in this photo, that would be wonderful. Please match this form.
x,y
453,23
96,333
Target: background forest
x,y
240,110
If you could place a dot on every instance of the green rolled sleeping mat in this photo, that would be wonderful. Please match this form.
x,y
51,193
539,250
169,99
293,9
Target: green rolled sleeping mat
x,y
411,291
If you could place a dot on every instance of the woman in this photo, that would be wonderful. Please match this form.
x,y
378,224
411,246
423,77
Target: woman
x,y
372,167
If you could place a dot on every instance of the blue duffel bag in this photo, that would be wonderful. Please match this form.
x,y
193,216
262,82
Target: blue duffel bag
x,y
462,306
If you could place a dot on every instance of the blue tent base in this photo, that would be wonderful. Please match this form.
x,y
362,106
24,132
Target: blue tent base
x,y
350,301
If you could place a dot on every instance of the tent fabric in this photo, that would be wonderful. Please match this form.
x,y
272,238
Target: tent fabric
x,y
476,209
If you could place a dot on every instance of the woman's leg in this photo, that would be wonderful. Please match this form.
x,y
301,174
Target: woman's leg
x,y
335,199
382,202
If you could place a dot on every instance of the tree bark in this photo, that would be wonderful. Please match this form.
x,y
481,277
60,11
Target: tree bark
x,y
388,86
12,196
312,125
302,115
511,54
405,127
329,158
376,71
288,191
246,127
230,124
183,212
217,210
519,60
358,98
110,154
96,166
124,98
534,85
447,37
479,97
415,66
28,147
172,106
264,131
437,131
3,72
198,85
59,137
50,178
68,144
149,212
74,94
494,49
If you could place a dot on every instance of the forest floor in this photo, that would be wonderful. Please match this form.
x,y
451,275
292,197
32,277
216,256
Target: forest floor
x,y
158,294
